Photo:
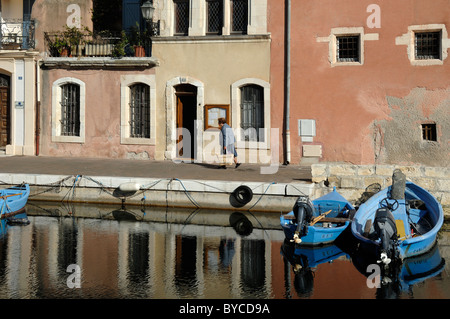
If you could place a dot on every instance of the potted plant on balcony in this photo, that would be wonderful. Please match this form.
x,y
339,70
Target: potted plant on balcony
x,y
76,37
58,46
119,47
137,38
68,42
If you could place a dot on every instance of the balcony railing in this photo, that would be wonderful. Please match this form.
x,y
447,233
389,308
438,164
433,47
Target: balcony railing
x,y
17,34
87,44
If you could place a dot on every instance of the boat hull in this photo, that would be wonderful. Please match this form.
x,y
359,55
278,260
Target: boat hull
x,y
13,201
411,244
316,235
321,233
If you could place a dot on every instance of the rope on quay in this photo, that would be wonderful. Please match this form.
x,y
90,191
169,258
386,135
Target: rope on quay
x,y
59,185
260,197
187,193
71,193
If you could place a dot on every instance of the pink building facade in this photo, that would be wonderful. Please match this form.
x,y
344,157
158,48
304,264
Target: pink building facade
x,y
369,81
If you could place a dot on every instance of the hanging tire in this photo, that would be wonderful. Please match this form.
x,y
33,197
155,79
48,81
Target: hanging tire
x,y
243,194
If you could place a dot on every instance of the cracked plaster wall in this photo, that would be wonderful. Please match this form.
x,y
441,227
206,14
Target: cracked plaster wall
x,y
398,139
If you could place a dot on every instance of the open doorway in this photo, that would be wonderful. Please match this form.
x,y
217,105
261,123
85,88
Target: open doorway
x,y
186,97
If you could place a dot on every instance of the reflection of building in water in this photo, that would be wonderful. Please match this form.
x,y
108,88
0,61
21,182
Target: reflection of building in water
x,y
136,260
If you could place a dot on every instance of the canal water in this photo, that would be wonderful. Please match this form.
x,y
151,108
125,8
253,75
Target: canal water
x,y
84,252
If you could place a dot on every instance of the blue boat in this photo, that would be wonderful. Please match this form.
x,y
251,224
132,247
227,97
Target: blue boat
x,y
399,222
318,222
12,205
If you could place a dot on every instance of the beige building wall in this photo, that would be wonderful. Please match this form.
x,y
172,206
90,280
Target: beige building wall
x,y
20,66
213,66
217,66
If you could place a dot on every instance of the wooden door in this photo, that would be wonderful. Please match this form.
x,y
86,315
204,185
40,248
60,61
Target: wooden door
x,y
186,116
179,125
4,116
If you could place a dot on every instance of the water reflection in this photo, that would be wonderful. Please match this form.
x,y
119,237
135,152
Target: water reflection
x,y
304,262
402,278
130,253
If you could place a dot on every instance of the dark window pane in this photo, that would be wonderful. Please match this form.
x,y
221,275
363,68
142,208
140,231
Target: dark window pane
x,y
181,8
215,16
140,111
239,11
252,112
428,45
70,110
348,48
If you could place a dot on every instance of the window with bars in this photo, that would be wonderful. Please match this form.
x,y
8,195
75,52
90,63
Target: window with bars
x,y
348,48
429,132
215,16
70,110
252,113
140,111
239,14
427,45
181,11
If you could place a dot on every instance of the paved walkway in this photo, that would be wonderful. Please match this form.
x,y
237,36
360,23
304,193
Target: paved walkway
x,y
150,169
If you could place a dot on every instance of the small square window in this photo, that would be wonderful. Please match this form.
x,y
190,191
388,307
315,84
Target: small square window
x,y
348,48
429,132
427,45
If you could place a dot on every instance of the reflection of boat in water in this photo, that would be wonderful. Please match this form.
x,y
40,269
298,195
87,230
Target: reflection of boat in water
x,y
304,260
402,277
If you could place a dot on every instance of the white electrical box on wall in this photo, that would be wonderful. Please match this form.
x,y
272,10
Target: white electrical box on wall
x,y
306,129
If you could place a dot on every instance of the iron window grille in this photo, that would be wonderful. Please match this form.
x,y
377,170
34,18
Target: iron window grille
x,y
239,11
70,110
429,132
427,45
181,9
252,113
348,48
140,111
215,16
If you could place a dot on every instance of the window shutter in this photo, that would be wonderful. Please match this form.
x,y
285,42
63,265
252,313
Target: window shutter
x,y
131,14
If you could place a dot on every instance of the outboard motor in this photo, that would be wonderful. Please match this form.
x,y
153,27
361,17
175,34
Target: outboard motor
x,y
384,225
303,212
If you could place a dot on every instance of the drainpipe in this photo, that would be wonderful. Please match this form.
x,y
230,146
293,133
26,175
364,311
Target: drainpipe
x,y
287,132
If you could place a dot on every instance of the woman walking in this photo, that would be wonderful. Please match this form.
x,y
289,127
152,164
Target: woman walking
x,y
227,141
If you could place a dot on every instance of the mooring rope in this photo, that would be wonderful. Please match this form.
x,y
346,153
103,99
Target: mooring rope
x,y
71,193
260,197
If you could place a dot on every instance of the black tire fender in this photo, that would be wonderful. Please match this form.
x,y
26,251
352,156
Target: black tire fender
x,y
242,194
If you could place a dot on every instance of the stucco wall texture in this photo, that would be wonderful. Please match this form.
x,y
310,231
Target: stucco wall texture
x,y
369,113
102,108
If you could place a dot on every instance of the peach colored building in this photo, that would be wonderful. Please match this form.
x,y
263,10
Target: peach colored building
x,y
369,80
